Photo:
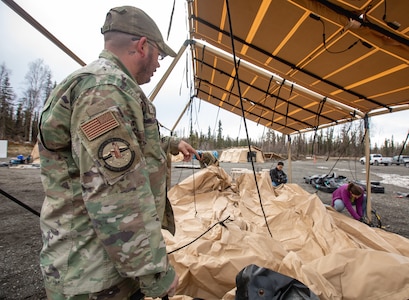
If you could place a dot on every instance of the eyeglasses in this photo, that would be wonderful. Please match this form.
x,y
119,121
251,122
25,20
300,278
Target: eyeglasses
x,y
161,55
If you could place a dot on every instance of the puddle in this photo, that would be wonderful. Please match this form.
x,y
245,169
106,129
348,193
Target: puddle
x,y
394,179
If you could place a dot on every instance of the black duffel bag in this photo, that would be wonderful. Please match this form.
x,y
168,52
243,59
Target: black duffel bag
x,y
254,282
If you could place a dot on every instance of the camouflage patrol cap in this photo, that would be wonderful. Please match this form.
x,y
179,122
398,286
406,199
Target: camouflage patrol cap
x,y
132,20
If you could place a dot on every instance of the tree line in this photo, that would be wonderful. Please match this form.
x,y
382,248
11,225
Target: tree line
x,y
347,140
19,118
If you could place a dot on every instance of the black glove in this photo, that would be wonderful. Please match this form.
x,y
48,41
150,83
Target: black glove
x,y
365,221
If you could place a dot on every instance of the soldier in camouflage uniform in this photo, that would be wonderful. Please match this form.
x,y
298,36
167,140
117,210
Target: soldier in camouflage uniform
x,y
103,168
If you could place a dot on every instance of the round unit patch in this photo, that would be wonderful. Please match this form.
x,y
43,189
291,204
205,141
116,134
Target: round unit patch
x,y
116,154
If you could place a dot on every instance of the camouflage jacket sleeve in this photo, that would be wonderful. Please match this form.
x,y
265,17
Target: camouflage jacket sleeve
x,y
170,144
116,185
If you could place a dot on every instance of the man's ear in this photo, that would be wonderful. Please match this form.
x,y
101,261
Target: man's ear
x,y
142,46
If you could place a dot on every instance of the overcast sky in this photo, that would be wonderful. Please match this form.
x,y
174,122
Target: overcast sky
x,y
77,25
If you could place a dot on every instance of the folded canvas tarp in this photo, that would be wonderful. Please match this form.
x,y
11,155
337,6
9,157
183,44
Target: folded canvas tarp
x,y
177,158
336,256
241,155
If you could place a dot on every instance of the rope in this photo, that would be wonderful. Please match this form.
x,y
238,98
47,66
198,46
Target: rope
x,y
288,105
275,104
242,111
317,123
194,187
194,240
404,143
171,19
215,123
19,203
265,97
325,43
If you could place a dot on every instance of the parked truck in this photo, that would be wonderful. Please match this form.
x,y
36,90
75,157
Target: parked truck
x,y
401,160
376,159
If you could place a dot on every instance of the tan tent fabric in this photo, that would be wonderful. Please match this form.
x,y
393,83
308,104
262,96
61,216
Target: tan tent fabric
x,y
239,155
177,158
334,255
35,155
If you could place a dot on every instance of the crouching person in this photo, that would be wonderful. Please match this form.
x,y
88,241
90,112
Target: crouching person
x,y
350,196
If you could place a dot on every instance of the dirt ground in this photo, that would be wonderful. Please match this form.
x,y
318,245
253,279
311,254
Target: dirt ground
x,y
20,276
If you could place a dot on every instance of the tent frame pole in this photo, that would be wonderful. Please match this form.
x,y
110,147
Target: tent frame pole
x,y
290,168
181,115
368,169
165,76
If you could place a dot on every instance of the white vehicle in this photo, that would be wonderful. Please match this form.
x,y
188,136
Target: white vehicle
x,y
376,159
402,159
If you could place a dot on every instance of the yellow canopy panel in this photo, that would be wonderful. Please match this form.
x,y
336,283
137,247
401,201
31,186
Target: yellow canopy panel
x,y
301,64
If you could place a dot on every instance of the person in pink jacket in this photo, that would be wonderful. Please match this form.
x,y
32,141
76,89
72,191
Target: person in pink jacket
x,y
347,196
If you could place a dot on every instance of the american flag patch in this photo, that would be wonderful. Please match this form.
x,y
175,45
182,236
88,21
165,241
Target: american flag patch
x,y
99,125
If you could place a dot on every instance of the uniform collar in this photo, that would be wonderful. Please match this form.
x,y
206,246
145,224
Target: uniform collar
x,y
112,57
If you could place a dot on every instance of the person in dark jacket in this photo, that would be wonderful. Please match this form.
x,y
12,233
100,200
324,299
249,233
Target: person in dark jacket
x,y
277,174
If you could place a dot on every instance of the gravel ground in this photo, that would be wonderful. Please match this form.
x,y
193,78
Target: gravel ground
x,y
20,277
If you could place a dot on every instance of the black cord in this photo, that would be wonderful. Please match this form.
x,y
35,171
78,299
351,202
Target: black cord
x,y
403,146
288,105
215,123
341,153
354,173
194,240
171,19
318,18
384,11
325,44
320,108
193,169
242,112
275,104
194,188
394,25
19,202
265,97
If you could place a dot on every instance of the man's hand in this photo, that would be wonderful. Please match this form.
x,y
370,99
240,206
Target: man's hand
x,y
172,289
187,151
